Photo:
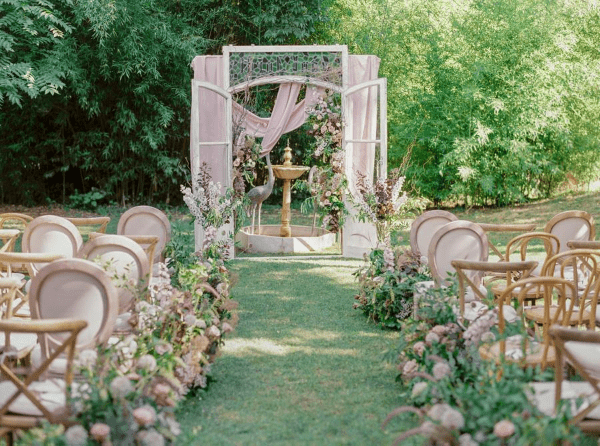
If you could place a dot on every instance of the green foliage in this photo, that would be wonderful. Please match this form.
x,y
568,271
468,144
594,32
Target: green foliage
x,y
386,284
121,123
445,380
489,102
31,60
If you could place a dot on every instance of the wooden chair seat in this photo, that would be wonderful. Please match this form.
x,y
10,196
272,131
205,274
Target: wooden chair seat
x,y
537,314
27,398
534,355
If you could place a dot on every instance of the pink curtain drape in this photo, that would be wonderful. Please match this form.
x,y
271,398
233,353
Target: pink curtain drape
x,y
287,115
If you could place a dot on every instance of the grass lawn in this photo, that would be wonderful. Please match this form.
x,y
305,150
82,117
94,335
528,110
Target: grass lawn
x,y
302,367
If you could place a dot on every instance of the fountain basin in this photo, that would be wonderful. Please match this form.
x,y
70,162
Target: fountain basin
x,y
284,172
303,239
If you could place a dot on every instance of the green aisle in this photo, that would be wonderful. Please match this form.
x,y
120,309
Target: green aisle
x,y
302,367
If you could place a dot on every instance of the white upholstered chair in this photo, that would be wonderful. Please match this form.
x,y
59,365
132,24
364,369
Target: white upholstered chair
x,y
457,240
26,400
51,234
77,289
571,225
124,260
423,228
146,221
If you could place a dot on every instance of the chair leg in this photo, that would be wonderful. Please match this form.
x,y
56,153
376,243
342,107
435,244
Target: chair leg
x,y
7,435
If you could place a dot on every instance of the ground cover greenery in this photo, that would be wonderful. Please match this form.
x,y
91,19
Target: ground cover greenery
x,y
301,368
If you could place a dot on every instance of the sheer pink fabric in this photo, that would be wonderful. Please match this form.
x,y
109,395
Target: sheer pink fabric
x,y
287,115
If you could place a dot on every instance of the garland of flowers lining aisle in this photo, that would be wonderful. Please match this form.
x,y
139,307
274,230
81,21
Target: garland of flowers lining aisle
x,y
132,388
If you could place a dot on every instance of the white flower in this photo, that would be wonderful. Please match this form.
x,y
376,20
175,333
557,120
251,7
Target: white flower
x,y
504,429
120,387
440,370
213,331
437,411
150,438
418,389
410,367
190,320
144,416
431,338
100,432
453,419
163,347
76,436
147,362
87,358
467,440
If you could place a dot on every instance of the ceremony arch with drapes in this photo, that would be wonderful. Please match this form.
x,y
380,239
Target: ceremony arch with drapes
x,y
214,113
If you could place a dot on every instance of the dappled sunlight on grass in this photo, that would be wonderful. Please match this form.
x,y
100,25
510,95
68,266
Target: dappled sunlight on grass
x,y
262,346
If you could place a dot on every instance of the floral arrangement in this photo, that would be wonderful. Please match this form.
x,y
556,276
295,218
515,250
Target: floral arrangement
x,y
384,204
244,165
133,386
386,284
208,203
327,181
460,399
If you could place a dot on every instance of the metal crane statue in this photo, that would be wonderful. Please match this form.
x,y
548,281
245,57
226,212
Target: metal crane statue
x,y
260,193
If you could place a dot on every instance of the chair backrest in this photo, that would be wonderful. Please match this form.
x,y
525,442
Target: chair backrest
x,y
424,226
457,240
554,291
78,289
582,267
124,260
490,228
571,225
51,234
8,291
582,350
538,246
24,401
147,221
85,225
9,238
15,220
510,270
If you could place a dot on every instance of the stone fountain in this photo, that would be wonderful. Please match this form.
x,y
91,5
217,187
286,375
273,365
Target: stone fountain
x,y
286,238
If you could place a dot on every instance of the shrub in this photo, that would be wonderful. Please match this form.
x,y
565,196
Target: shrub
x,y
386,283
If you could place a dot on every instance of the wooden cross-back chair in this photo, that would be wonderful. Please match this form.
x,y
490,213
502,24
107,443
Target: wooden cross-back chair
x,y
125,259
51,234
524,350
582,268
471,273
146,221
492,228
423,228
86,225
571,225
27,399
78,289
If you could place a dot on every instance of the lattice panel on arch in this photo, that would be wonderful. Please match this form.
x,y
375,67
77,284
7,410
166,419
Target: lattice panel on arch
x,y
248,66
